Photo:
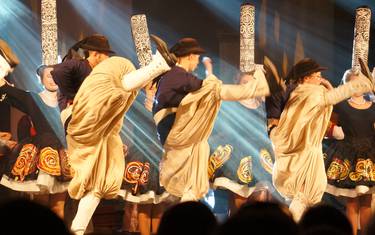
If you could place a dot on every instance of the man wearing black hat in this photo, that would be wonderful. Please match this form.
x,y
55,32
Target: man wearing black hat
x,y
277,101
178,82
93,134
299,173
184,111
70,74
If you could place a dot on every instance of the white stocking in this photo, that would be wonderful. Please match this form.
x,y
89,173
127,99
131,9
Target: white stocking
x,y
86,209
140,77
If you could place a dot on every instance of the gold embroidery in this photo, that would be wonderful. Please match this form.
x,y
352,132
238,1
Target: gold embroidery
x,y
266,160
26,161
364,170
338,169
244,171
218,158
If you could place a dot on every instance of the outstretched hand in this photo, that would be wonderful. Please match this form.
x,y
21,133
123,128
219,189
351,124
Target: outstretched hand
x,y
207,62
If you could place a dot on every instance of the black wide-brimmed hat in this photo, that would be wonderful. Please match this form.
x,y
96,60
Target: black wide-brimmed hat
x,y
186,46
96,42
8,54
304,67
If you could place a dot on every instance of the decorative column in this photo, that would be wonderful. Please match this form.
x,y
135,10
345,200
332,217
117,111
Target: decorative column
x,y
49,32
361,36
247,37
141,39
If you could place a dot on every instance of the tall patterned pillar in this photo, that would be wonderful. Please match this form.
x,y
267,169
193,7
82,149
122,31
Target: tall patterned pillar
x,y
142,43
247,38
361,36
141,39
49,32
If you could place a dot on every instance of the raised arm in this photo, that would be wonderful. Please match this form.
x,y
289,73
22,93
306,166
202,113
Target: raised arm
x,y
207,62
255,87
15,97
361,84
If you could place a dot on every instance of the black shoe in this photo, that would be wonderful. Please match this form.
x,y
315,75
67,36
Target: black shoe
x,y
163,49
275,83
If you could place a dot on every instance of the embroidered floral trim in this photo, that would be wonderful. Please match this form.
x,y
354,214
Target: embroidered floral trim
x,y
338,169
244,171
137,173
364,170
266,160
218,158
49,161
26,162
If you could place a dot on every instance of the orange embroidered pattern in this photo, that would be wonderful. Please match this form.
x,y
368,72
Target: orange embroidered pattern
x,y
137,173
26,162
49,161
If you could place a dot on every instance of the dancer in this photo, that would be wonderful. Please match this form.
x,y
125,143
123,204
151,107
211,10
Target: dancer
x,y
242,163
70,74
141,177
298,172
39,164
350,162
184,111
94,144
243,166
